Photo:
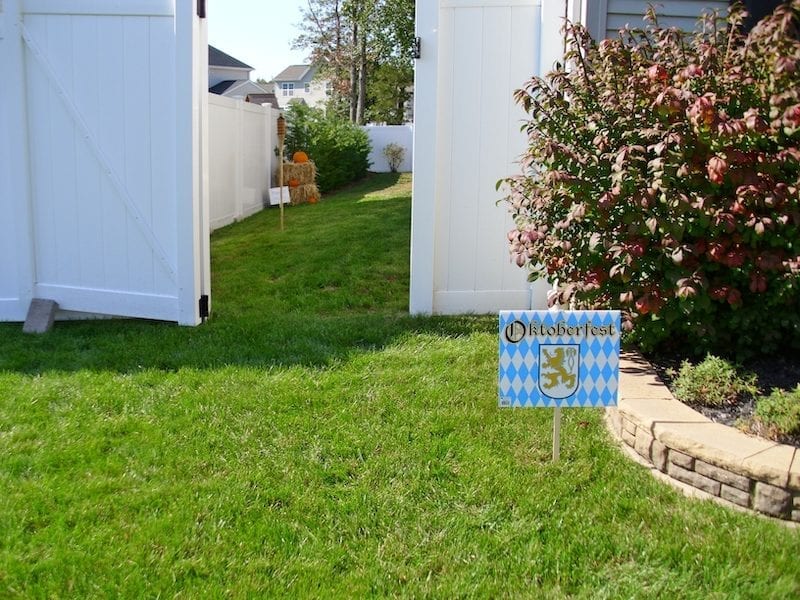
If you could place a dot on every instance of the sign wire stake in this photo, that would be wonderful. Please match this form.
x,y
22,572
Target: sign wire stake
x,y
556,433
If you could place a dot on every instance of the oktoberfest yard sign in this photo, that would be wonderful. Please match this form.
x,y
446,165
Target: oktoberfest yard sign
x,y
559,358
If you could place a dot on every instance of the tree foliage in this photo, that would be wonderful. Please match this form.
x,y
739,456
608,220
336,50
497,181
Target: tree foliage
x,y
662,178
352,40
388,93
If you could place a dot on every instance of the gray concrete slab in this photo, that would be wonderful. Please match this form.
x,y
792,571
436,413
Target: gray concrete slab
x,y
41,314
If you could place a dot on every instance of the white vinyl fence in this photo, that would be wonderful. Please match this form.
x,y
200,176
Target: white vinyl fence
x,y
474,54
382,135
102,204
242,139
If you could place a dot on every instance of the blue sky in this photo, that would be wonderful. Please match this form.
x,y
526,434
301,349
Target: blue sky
x,y
258,32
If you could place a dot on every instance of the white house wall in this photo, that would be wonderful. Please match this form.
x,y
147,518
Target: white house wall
x,y
241,90
316,96
219,74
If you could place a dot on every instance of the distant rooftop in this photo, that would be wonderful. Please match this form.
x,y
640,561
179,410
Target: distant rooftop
x,y
217,58
222,86
263,99
293,73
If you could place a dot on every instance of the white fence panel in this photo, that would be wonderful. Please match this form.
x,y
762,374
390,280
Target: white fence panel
x,y
242,139
382,135
475,53
101,146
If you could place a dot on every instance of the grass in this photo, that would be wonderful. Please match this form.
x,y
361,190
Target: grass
x,y
312,440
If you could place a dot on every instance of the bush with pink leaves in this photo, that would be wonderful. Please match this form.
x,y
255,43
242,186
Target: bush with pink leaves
x,y
662,178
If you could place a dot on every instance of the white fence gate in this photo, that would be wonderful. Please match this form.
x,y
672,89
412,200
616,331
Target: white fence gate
x,y
474,54
103,202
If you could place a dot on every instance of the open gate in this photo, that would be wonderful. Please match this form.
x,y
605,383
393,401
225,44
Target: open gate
x,y
103,206
473,55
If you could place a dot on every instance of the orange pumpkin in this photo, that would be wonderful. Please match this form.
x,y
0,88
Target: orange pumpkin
x,y
312,199
294,182
300,157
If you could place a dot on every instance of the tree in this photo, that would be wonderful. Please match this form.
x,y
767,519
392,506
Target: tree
x,y
389,92
393,74
351,40
324,35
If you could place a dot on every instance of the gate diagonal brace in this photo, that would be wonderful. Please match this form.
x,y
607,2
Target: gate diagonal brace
x,y
118,184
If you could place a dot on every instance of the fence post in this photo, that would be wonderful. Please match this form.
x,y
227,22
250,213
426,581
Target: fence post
x,y
425,147
238,164
272,160
19,186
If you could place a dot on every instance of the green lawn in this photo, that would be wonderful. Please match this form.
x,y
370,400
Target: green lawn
x,y
312,440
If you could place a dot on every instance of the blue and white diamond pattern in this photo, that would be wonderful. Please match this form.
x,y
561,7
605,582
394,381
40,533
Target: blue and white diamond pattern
x,y
599,356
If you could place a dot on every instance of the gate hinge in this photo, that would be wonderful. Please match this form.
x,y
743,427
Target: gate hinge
x,y
201,9
203,306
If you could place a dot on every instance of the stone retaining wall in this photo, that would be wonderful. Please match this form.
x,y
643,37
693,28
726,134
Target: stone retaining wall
x,y
733,485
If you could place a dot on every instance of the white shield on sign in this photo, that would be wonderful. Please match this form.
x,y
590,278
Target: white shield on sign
x,y
559,369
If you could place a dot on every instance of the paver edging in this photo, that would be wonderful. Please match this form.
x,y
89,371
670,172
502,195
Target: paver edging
x,y
687,447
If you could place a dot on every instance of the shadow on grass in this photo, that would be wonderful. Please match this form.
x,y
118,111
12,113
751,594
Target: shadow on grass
x,y
334,284
126,346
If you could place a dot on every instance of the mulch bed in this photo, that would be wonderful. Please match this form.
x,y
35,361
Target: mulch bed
x,y
774,372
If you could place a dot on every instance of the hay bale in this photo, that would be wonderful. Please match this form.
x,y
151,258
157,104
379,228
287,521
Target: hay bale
x,y
305,173
302,194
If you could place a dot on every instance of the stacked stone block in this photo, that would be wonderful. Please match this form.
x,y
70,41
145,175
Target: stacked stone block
x,y
766,497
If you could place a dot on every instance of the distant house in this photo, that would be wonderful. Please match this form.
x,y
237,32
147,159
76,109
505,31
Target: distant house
x,y
298,83
228,76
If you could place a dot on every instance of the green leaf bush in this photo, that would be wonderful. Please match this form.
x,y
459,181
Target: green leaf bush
x,y
340,150
394,154
661,178
712,382
778,414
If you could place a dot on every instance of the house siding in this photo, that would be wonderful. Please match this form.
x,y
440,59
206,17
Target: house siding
x,y
315,97
606,17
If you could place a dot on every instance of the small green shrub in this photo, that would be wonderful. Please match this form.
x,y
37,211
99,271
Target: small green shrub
x,y
713,382
661,179
339,149
778,414
394,154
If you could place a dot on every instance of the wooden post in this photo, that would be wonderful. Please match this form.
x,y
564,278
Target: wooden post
x,y
281,138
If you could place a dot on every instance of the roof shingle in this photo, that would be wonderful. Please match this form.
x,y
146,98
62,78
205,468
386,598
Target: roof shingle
x,y
221,87
217,58
293,73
